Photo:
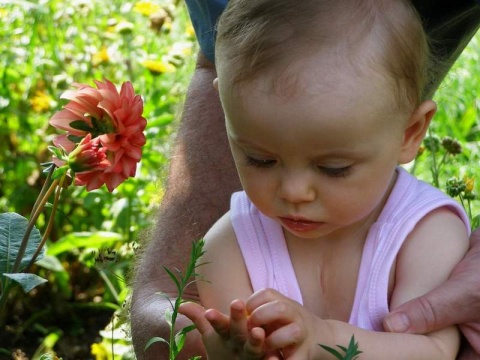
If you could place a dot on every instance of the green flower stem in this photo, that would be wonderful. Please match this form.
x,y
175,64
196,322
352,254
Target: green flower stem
x,y
44,187
110,286
31,224
3,300
51,221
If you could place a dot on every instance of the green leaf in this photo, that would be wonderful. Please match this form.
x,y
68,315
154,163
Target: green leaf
x,y
56,151
77,240
181,336
80,125
174,278
332,351
51,263
153,341
168,317
59,172
26,281
47,357
12,229
350,354
467,121
75,139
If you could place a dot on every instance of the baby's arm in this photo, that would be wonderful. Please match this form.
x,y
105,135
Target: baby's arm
x,y
429,254
223,277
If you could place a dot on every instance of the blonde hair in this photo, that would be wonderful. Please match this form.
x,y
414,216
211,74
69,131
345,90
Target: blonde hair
x,y
258,34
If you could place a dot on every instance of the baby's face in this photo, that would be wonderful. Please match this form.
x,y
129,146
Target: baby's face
x,y
317,152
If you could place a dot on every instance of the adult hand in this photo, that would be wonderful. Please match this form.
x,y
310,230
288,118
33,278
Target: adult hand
x,y
457,301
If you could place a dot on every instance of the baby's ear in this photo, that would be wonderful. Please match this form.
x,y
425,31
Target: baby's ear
x,y
415,130
215,83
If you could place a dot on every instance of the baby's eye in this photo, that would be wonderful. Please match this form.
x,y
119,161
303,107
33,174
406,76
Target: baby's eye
x,y
260,163
335,172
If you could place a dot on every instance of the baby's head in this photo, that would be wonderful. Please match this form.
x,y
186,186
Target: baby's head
x,y
322,101
381,40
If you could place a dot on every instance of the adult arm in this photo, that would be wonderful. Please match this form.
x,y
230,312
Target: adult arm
x,y
200,181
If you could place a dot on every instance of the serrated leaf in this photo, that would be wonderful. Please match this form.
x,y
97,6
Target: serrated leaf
x,y
155,340
26,281
12,229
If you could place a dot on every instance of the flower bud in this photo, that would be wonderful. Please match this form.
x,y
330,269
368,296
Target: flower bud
x,y
89,155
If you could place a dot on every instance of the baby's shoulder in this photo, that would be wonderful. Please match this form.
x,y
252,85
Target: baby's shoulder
x,y
221,235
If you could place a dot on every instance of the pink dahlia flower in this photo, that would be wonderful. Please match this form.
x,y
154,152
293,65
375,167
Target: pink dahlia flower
x,y
113,120
88,156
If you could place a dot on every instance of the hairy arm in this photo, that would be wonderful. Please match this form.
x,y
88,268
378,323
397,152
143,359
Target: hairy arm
x,y
200,180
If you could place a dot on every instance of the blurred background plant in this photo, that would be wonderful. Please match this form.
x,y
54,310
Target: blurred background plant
x,y
46,45
81,313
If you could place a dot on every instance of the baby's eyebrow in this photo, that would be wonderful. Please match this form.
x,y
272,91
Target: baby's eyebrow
x,y
246,142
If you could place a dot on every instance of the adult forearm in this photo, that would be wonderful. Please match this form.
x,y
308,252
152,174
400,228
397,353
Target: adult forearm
x,y
200,180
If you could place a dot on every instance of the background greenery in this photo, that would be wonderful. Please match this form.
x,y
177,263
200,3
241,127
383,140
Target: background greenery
x,y
46,45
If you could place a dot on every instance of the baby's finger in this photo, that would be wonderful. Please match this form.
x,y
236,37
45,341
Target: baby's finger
x,y
262,297
220,322
238,322
253,348
196,313
274,314
285,337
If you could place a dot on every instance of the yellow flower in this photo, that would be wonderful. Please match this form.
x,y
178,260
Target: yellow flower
x,y
101,57
469,183
146,8
3,13
158,67
190,31
41,102
421,150
99,351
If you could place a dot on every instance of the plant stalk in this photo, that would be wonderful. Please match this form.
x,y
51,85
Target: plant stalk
x,y
31,224
51,221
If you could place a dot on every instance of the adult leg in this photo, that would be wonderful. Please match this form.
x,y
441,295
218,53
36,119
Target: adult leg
x,y
201,179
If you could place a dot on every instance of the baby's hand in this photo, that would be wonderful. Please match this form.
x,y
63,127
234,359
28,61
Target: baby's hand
x,y
227,337
290,328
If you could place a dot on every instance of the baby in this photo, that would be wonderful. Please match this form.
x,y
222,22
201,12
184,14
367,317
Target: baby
x,y
323,99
